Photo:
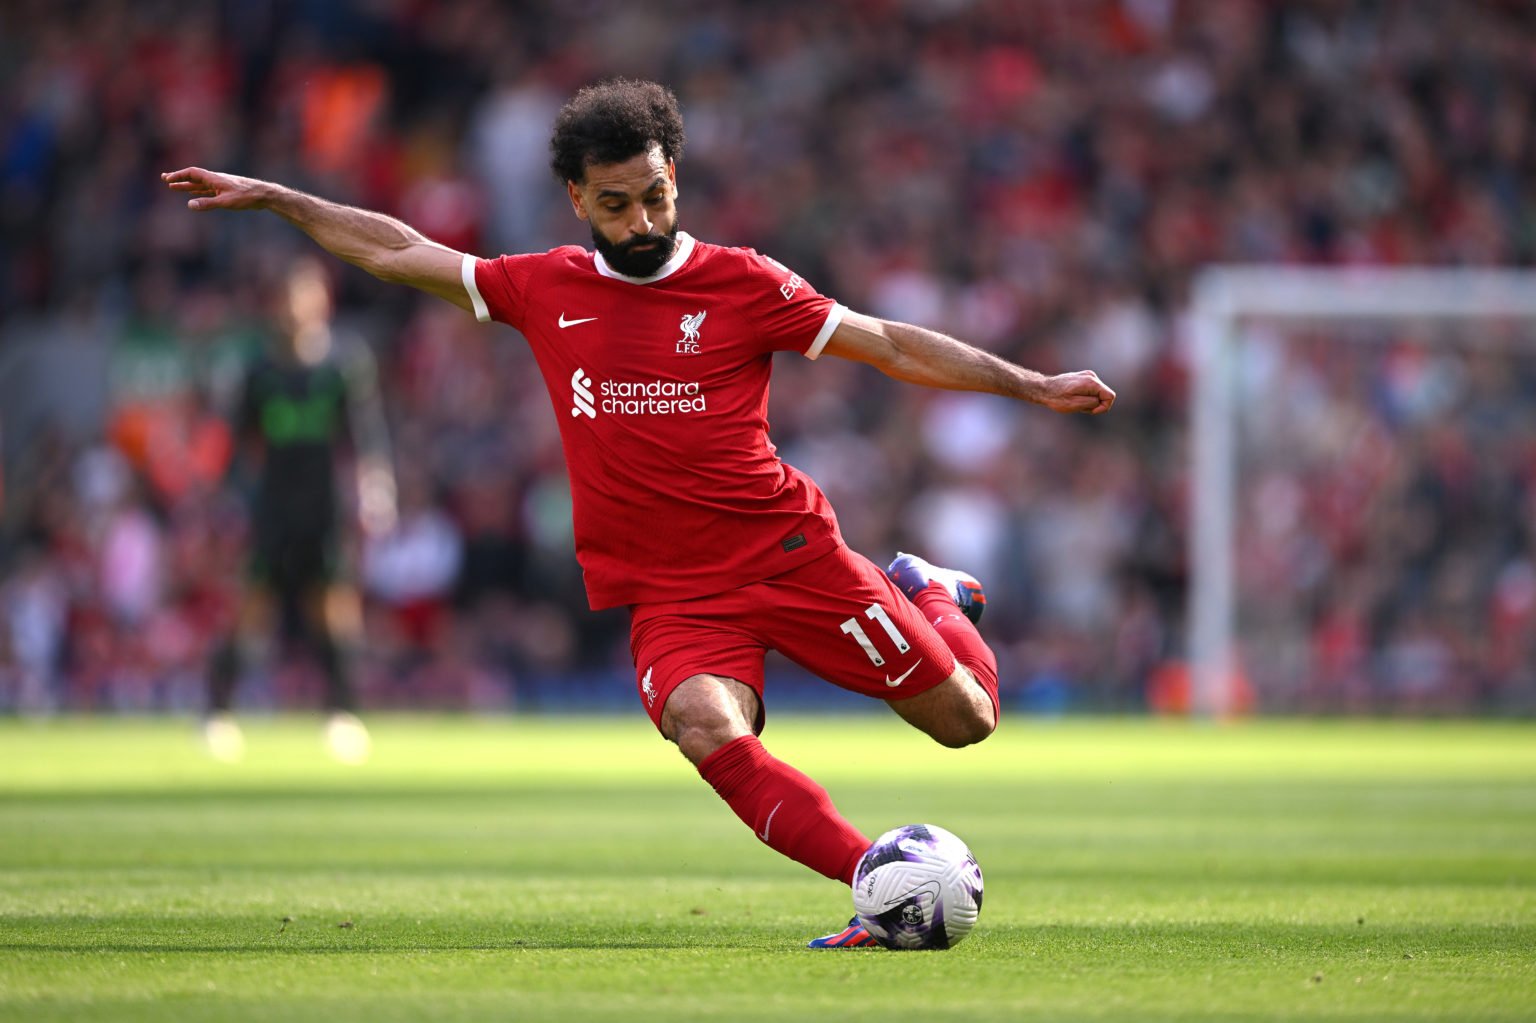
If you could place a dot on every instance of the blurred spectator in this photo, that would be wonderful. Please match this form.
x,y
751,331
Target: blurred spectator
x,y
410,572
34,609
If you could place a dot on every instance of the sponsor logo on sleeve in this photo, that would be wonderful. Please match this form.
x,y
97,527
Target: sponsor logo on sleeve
x,y
790,286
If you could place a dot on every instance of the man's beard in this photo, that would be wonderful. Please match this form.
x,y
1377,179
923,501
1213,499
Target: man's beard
x,y
627,261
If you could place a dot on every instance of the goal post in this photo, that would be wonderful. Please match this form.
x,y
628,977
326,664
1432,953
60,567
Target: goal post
x,y
1224,300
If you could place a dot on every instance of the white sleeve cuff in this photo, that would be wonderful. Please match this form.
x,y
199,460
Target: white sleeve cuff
x,y
834,317
467,271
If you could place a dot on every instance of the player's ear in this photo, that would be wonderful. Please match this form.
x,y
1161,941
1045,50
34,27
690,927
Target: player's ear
x,y
672,175
578,204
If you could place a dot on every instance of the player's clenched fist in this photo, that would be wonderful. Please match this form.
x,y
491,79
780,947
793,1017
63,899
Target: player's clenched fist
x,y
1081,391
213,191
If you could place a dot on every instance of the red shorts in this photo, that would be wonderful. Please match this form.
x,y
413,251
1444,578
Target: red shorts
x,y
838,617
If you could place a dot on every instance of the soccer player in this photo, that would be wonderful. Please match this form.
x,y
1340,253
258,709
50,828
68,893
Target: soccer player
x,y
656,352
303,402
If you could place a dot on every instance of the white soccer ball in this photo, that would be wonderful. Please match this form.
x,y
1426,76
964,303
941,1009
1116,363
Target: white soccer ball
x,y
918,886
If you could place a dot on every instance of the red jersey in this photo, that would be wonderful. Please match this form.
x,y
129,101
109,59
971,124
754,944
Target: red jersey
x,y
660,385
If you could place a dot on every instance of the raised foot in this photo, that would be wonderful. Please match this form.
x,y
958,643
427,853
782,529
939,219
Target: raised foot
x,y
912,575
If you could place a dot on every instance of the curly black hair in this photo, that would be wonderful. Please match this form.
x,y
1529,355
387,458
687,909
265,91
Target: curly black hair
x,y
612,121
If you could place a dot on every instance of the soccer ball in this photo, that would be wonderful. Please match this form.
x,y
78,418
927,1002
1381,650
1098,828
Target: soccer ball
x,y
918,886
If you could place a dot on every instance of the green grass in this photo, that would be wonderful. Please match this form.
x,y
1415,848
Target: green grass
x,y
578,869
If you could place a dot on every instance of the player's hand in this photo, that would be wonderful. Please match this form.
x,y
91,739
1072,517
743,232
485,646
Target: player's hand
x,y
376,501
210,190
1081,391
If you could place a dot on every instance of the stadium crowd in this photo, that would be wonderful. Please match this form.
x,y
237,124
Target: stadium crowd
x,y
1042,179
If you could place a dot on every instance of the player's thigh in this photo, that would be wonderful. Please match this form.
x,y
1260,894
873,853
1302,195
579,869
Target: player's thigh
x,y
844,620
304,569
674,643
300,550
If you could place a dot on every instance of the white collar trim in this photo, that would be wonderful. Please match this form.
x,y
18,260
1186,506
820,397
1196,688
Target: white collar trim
x,y
670,267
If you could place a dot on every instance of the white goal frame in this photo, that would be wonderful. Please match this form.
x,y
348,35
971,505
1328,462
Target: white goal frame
x,y
1222,300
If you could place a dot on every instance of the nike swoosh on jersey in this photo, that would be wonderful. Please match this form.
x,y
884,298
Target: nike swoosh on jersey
x,y
899,679
573,323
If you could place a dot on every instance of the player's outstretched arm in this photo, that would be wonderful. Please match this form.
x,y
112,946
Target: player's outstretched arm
x,y
390,250
921,356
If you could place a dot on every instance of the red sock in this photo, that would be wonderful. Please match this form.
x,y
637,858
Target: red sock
x,y
786,810
962,638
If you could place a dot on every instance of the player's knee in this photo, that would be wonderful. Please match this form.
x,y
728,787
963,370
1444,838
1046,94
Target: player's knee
x,y
341,611
704,713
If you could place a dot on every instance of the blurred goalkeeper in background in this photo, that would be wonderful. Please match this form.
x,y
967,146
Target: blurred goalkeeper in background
x,y
304,403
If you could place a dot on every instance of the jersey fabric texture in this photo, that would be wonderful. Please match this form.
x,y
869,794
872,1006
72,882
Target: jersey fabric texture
x,y
660,385
839,617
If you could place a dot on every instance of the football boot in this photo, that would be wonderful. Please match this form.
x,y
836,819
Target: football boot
x,y
853,936
912,575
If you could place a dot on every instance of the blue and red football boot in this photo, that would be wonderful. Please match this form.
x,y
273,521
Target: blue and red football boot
x,y
912,575
853,936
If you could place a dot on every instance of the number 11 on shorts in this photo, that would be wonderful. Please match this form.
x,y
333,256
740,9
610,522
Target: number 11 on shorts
x,y
876,613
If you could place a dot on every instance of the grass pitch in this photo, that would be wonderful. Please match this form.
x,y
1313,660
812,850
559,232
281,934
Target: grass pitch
x,y
548,869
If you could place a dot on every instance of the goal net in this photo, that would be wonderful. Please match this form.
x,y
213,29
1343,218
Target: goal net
x,y
1363,535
